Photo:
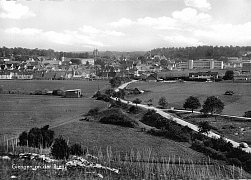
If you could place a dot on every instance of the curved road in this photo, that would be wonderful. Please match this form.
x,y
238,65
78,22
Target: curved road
x,y
178,120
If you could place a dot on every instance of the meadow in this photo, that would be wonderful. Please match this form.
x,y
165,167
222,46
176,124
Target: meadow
x,y
88,87
21,112
176,93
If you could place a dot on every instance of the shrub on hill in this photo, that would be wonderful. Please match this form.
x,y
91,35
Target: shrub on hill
x,y
133,109
60,149
200,147
117,119
222,150
76,149
234,161
93,111
102,97
167,128
216,148
247,114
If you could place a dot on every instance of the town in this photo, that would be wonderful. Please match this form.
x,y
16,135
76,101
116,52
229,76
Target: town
x,y
150,66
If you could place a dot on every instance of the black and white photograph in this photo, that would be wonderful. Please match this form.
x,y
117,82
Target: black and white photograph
x,y
125,89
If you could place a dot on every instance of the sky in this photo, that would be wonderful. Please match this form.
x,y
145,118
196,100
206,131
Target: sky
x,y
124,25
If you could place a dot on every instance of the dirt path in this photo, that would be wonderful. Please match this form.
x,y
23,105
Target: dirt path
x,y
67,121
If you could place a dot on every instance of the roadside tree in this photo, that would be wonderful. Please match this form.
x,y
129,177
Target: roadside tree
x,y
204,127
212,105
247,114
192,103
137,101
163,102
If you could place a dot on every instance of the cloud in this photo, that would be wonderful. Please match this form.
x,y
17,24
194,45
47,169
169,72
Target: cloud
x,y
226,34
86,36
190,16
158,23
123,22
180,40
98,32
14,10
200,4
179,20
71,38
25,31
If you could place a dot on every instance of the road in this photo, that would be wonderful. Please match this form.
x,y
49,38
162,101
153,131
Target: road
x,y
177,120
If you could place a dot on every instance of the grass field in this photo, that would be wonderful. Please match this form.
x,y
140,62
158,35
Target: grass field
x,y
121,139
176,93
88,87
22,112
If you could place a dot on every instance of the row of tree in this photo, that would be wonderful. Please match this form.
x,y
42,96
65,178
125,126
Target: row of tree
x,y
216,52
44,138
37,137
19,52
212,105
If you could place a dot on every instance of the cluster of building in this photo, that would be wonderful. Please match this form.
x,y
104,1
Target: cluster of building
x,y
47,68
201,64
88,68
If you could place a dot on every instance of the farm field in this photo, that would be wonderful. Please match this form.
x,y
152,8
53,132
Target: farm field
x,y
176,93
22,112
88,87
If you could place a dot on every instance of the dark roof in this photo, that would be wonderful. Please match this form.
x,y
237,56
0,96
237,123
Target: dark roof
x,y
203,73
152,77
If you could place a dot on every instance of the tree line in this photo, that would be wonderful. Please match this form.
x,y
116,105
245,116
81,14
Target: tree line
x,y
19,52
216,52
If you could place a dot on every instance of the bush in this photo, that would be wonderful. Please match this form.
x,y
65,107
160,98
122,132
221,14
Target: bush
x,y
200,147
133,109
103,97
60,149
137,101
163,102
247,114
234,161
38,92
248,165
204,127
58,92
117,120
76,149
167,128
93,111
